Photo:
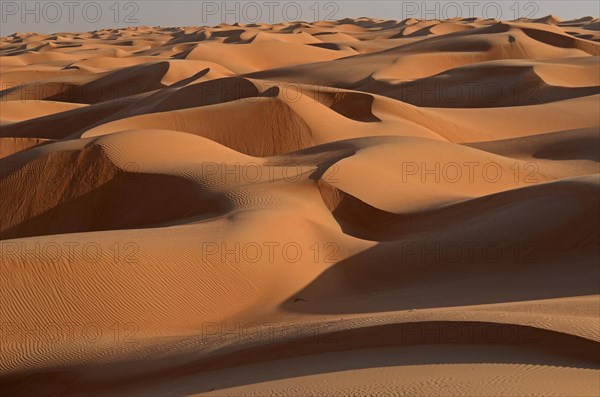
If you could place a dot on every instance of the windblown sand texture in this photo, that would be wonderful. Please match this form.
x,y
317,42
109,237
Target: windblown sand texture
x,y
360,207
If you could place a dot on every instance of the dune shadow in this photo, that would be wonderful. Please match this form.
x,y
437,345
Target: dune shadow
x,y
327,351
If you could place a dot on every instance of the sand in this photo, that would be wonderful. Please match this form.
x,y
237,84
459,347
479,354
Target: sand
x,y
360,207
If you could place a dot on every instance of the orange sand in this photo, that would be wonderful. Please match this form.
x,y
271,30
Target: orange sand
x,y
360,207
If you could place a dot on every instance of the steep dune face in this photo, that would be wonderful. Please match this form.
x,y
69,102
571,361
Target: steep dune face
x,y
478,85
302,209
257,126
60,203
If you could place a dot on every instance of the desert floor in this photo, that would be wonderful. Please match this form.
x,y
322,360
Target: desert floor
x,y
360,207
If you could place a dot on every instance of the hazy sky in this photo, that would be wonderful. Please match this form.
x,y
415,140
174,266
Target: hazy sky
x,y
81,15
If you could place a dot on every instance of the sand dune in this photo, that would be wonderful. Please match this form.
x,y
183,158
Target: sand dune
x,y
353,207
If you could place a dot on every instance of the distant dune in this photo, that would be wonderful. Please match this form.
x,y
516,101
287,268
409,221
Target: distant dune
x,y
360,207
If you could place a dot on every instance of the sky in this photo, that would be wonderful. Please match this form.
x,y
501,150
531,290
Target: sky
x,y
82,15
